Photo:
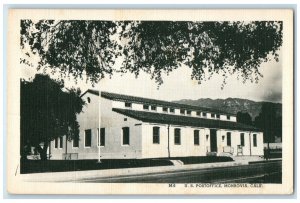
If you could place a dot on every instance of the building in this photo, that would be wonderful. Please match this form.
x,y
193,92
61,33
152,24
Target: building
x,y
139,128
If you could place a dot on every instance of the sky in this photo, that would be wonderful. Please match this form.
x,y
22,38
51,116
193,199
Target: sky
x,y
178,85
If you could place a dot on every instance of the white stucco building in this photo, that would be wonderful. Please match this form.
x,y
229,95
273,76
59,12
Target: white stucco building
x,y
139,128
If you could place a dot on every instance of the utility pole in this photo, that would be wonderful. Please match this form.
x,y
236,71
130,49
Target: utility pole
x,y
99,127
169,140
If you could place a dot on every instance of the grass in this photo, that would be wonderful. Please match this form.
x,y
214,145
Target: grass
x,y
39,166
203,159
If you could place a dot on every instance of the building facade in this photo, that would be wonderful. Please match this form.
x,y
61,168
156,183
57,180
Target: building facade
x,y
140,128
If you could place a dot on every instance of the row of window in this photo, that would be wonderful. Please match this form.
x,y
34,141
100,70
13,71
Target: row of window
x,y
155,136
177,137
242,139
172,110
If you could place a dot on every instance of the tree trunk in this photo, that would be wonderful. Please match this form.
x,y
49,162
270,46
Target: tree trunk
x,y
43,151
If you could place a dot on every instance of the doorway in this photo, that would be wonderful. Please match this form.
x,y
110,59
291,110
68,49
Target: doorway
x,y
213,140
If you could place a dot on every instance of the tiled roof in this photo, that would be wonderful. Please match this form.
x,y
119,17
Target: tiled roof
x,y
151,117
121,97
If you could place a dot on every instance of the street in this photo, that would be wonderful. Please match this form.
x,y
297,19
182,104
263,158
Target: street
x,y
266,172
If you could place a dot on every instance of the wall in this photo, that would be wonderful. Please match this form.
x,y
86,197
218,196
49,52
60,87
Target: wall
x,y
139,107
248,148
186,148
113,123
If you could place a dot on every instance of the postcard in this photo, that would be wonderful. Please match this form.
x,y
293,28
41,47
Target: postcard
x,y
141,101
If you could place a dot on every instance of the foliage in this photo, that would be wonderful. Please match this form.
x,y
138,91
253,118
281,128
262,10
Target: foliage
x,y
269,122
47,111
244,118
155,47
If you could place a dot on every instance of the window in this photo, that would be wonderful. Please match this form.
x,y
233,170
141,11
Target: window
x,y
188,112
56,143
223,138
146,107
165,109
212,115
153,108
172,110
218,116
76,142
89,100
254,140
177,139
155,135
204,114
61,142
196,137
125,136
182,111
88,138
242,135
198,113
128,105
228,139
102,137
228,117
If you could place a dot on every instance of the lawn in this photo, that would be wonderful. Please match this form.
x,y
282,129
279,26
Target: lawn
x,y
39,166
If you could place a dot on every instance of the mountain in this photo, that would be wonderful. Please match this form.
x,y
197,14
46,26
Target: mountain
x,y
233,105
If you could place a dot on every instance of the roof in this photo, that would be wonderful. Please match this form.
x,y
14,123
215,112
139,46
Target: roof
x,y
127,98
150,117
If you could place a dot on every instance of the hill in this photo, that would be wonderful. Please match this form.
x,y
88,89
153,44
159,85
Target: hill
x,y
233,105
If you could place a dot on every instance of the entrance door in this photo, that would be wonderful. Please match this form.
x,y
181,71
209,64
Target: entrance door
x,y
213,140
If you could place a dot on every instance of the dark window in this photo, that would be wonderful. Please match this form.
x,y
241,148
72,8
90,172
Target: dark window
x,y
127,104
228,139
188,112
76,142
56,143
212,115
182,111
102,137
218,116
228,117
177,139
198,113
155,135
146,107
242,139
89,100
196,137
153,108
165,109
88,138
254,140
204,114
61,142
172,110
125,135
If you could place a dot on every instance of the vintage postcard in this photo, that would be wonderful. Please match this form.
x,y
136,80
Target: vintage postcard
x,y
150,101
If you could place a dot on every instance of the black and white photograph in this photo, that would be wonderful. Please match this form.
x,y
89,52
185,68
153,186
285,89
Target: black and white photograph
x,y
187,102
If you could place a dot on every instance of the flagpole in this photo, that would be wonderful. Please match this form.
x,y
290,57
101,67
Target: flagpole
x,y
99,128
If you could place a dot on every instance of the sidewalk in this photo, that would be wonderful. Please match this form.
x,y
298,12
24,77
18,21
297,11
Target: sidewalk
x,y
77,175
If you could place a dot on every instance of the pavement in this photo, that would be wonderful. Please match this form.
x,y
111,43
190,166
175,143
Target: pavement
x,y
72,176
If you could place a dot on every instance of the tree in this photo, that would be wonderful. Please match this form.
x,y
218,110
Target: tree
x,y
269,122
48,112
155,47
244,118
